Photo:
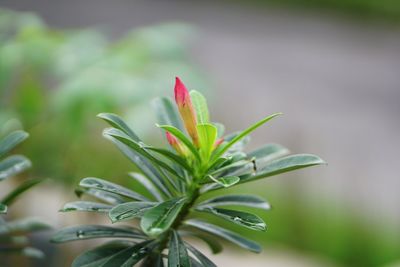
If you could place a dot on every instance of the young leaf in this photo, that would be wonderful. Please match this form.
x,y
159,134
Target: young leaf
x,y
129,210
159,218
285,164
226,234
82,232
171,156
182,137
177,256
236,200
86,206
200,105
116,122
99,255
100,184
207,136
167,114
11,141
245,219
243,134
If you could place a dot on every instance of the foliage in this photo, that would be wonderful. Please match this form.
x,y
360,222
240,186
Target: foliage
x,y
55,80
179,180
13,234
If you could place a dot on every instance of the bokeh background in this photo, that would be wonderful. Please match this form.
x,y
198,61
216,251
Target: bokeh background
x,y
332,67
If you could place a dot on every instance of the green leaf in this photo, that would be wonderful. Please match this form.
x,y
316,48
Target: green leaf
x,y
13,195
220,129
243,134
86,206
226,234
207,136
129,256
167,113
267,153
284,164
182,137
158,219
206,262
83,232
107,197
212,243
139,148
147,184
3,208
25,225
153,260
241,218
177,256
144,165
11,141
129,210
226,181
237,200
171,156
13,165
99,255
200,105
107,186
116,122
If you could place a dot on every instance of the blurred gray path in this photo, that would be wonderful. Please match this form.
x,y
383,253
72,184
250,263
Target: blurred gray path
x,y
336,80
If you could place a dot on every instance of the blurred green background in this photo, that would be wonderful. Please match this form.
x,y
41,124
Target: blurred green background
x,y
332,76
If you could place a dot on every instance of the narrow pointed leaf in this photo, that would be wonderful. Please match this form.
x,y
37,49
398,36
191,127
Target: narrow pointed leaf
x,y
116,122
153,260
171,156
147,184
144,165
226,234
207,135
3,208
244,133
105,196
177,256
25,225
212,243
83,232
86,206
236,200
13,195
182,137
226,181
13,165
200,105
206,262
99,255
285,164
11,141
267,153
100,184
137,147
241,218
129,256
167,114
129,210
160,218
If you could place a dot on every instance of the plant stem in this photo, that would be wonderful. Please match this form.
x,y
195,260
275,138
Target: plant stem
x,y
193,195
